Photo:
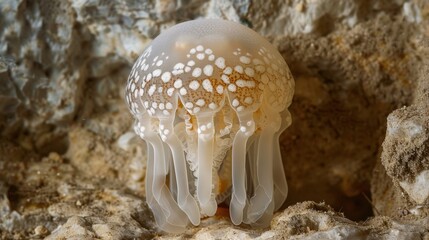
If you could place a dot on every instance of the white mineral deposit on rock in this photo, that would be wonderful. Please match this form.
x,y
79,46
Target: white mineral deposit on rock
x,y
418,189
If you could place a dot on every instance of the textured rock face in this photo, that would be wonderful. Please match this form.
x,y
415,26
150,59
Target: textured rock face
x,y
402,176
405,150
308,220
70,166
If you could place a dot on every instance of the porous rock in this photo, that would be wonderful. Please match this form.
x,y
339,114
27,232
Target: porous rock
x,y
405,150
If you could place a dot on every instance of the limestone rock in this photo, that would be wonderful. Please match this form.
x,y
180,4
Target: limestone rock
x,y
418,189
405,150
309,221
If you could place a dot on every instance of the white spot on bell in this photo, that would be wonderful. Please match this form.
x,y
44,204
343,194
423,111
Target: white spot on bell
x,y
244,59
200,56
196,72
170,92
189,105
152,90
235,103
228,70
157,72
161,106
248,100
166,76
249,72
212,106
207,85
238,69
178,83
225,78
200,102
220,62
219,89
208,70
194,85
183,91
232,88
200,48
179,66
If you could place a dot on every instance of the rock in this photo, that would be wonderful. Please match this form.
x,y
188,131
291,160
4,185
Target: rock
x,y
52,197
40,231
50,71
114,215
10,218
387,198
418,189
342,99
309,221
74,228
405,150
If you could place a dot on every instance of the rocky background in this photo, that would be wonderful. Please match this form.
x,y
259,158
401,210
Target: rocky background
x,y
356,155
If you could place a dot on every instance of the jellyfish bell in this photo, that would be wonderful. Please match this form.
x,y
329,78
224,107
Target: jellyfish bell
x,y
210,98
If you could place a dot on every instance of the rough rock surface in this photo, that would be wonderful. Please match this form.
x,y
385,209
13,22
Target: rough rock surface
x,y
399,184
70,166
309,220
405,150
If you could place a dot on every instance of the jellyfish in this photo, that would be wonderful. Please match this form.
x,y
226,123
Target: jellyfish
x,y
210,98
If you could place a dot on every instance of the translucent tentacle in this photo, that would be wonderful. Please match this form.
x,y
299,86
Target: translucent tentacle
x,y
252,155
269,170
239,197
205,165
280,183
264,219
171,174
159,214
184,198
263,192
167,214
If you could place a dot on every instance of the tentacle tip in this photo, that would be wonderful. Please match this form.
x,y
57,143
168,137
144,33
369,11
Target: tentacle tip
x,y
236,211
190,207
236,218
210,207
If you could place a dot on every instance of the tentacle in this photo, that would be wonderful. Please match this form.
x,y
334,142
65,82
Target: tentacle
x,y
263,192
280,183
239,197
172,174
227,120
252,155
205,165
167,214
161,216
184,198
264,219
260,206
168,159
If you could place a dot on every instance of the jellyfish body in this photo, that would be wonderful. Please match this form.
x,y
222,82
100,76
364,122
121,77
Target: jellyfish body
x,y
210,99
